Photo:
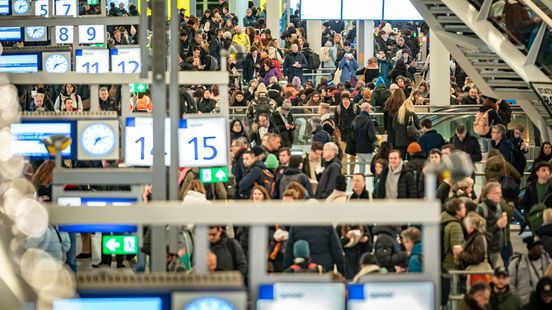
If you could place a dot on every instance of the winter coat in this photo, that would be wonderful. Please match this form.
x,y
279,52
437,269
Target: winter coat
x,y
369,74
519,155
415,263
290,71
474,250
53,242
249,68
229,255
536,303
348,69
272,128
493,117
333,57
545,234
453,234
469,304
238,171
531,196
506,148
337,196
206,105
278,118
291,175
387,249
363,195
59,105
524,278
353,255
492,212
503,301
326,183
344,119
385,68
401,136
272,72
468,100
470,145
253,176
406,187
379,96
430,140
494,169
321,135
363,133
324,244
108,105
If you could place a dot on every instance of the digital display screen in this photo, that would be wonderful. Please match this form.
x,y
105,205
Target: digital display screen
x,y
29,136
391,295
5,7
315,296
220,300
108,304
362,9
21,63
320,9
400,10
10,34
97,201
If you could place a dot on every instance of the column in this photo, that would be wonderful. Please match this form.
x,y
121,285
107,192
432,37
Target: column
x,y
365,41
273,17
238,7
314,34
439,74
193,8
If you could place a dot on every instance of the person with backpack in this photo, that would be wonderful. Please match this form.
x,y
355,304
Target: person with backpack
x,y
313,59
379,95
294,63
484,119
527,269
328,55
387,249
332,168
363,137
406,123
496,219
292,174
538,196
344,115
498,169
229,253
302,262
452,234
416,162
319,134
255,173
52,241
501,143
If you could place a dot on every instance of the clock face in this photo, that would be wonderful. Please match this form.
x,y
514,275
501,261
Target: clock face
x,y
36,32
98,139
56,63
20,6
209,303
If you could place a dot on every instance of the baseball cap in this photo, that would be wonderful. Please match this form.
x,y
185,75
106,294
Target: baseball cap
x,y
257,150
544,287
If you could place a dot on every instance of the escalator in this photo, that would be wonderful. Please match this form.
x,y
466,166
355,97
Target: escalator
x,y
498,67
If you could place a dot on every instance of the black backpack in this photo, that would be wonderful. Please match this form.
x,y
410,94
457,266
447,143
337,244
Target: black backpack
x,y
313,60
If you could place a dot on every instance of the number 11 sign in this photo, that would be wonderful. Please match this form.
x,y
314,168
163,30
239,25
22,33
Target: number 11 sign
x,y
202,142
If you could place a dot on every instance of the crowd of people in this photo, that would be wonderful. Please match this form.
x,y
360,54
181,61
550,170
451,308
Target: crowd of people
x,y
345,145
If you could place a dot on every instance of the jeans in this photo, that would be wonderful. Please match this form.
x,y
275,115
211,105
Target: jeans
x,y
301,125
486,145
141,262
366,159
72,253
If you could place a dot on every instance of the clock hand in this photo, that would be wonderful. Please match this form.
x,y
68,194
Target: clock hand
x,y
98,139
35,30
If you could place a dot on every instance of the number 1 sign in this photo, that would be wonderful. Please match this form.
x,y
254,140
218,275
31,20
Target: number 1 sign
x,y
202,142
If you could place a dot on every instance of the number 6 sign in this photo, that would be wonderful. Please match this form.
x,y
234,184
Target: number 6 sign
x,y
202,142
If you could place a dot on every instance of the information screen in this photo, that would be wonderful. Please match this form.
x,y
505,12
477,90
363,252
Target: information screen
x,y
108,304
307,296
362,9
219,300
20,63
5,7
400,10
391,295
320,9
29,136
10,34
139,141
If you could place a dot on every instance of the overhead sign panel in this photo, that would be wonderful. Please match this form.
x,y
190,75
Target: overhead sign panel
x,y
362,9
320,9
202,142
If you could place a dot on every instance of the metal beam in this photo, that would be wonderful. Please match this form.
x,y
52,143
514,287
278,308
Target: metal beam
x,y
535,8
536,46
461,40
30,21
485,9
142,39
107,176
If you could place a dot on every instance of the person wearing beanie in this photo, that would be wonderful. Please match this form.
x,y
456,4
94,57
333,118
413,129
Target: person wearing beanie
x,y
501,295
527,269
339,194
271,162
541,298
379,95
416,161
301,259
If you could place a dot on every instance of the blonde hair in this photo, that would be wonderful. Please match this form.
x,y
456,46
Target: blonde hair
x,y
547,215
464,183
476,221
408,105
487,189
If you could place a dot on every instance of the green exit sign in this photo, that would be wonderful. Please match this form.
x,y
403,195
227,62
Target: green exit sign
x,y
92,2
120,245
213,175
138,88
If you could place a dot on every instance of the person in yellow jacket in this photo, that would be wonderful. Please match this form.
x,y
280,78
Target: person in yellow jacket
x,y
241,39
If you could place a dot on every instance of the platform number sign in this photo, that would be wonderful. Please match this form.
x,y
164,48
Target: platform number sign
x,y
64,35
42,8
139,141
89,34
125,60
202,142
66,8
92,60
544,91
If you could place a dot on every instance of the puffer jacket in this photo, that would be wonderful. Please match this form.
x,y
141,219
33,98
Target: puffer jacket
x,y
494,169
452,235
253,176
406,188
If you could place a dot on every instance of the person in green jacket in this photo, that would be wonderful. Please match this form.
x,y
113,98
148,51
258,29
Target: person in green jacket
x,y
501,296
453,234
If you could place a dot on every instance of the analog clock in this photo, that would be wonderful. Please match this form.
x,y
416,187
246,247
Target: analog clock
x,y
21,7
98,139
35,32
56,63
211,303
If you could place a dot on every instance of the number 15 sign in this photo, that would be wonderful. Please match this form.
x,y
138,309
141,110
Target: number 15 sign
x,y
202,142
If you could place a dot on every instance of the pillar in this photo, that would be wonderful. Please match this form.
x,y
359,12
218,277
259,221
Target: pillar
x,y
238,7
314,34
439,74
193,8
365,41
273,17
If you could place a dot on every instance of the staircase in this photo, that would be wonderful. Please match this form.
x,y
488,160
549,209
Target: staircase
x,y
497,66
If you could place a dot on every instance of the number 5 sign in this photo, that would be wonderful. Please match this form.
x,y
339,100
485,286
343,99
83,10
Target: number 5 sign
x,y
202,142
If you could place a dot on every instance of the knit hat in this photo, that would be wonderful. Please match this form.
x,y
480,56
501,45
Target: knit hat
x,y
301,249
257,150
380,81
261,89
544,286
271,162
530,242
413,148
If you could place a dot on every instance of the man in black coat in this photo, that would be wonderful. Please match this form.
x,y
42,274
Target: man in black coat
x,y
251,65
239,170
283,119
397,180
463,141
359,187
264,127
431,139
229,253
319,134
363,136
294,63
292,173
332,168
499,141
254,174
344,115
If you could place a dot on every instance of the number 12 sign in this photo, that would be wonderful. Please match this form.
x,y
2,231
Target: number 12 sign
x,y
202,142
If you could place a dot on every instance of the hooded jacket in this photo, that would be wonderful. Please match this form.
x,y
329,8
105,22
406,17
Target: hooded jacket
x,y
524,279
415,259
380,94
291,174
254,175
452,235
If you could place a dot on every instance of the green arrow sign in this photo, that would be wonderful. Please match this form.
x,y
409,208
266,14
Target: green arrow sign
x,y
213,175
92,2
120,245
138,88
